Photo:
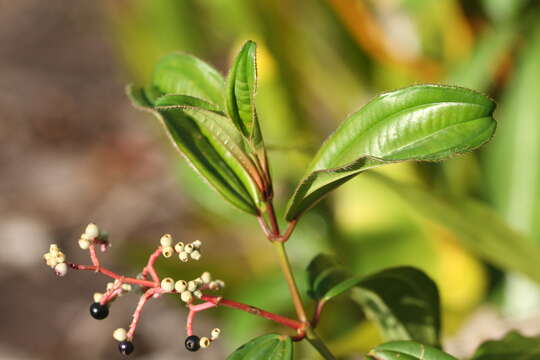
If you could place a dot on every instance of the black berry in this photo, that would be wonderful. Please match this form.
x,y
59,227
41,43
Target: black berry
x,y
99,311
192,343
125,347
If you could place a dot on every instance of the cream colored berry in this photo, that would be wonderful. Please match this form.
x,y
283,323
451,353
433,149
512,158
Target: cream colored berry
x,y
167,284
197,244
53,249
215,333
204,342
97,297
206,277
127,287
61,269
92,230
51,262
183,256
198,294
186,296
167,251
166,240
120,334
84,243
110,285
180,286
192,286
189,248
195,255
179,247
60,257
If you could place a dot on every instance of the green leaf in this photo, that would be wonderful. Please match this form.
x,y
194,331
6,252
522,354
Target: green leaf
x,y
183,74
512,346
210,143
241,88
408,350
422,122
265,347
476,226
403,301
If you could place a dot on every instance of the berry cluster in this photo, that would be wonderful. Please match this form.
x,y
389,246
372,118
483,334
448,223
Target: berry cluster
x,y
148,281
56,260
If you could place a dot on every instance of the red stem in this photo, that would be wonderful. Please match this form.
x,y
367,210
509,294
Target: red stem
x,y
194,309
293,324
137,314
317,313
113,275
149,268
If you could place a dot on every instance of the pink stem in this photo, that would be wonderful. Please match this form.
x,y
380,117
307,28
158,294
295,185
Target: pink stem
x,y
137,314
93,256
149,268
110,295
194,309
263,226
113,275
297,325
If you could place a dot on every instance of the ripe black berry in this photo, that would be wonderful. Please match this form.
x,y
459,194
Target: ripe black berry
x,y
125,347
99,311
192,343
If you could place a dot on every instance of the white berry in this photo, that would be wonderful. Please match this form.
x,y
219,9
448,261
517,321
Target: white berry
x,y
206,277
215,333
97,297
120,334
92,230
180,286
189,248
167,251
61,269
186,296
179,247
204,342
166,240
183,256
84,243
197,244
192,286
167,284
195,255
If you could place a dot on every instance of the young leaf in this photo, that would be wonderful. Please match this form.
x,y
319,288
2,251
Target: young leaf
x,y
210,143
265,347
184,74
422,122
241,88
512,346
403,301
407,350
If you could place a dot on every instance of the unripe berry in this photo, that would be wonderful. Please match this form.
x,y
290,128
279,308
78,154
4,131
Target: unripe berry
x,y
166,240
110,285
189,248
61,269
179,247
167,251
204,342
98,311
167,284
198,294
215,333
186,296
126,347
192,343
60,257
84,243
197,244
53,250
92,230
191,286
183,256
180,286
120,334
206,277
127,287
97,297
195,255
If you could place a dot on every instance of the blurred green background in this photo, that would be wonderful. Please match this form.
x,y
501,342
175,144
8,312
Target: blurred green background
x,y
72,150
